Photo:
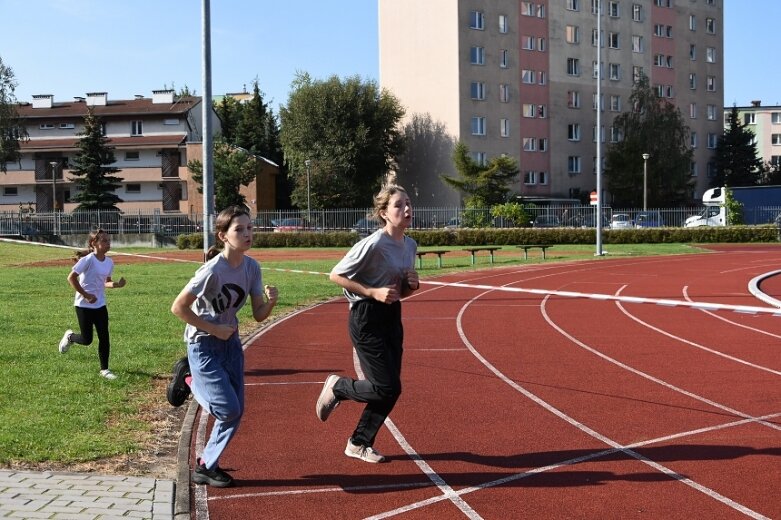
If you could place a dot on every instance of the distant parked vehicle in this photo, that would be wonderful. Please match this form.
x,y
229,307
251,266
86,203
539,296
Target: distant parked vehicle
x,y
453,223
621,221
645,219
366,226
289,224
546,221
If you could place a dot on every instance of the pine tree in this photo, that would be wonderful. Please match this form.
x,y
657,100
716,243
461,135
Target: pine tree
x,y
11,127
92,170
737,162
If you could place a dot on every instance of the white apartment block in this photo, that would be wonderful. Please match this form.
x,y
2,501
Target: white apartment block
x,y
765,124
519,78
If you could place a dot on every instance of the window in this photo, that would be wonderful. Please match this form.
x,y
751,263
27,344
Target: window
x,y
615,103
775,118
638,44
530,177
693,111
711,85
542,178
132,188
542,111
598,102
614,70
528,77
712,112
529,144
594,133
573,99
692,80
477,56
710,26
476,20
573,66
527,8
477,90
573,164
637,73
504,127
541,44
542,78
615,134
595,6
132,156
503,58
528,43
503,24
692,52
749,118
693,139
573,5
543,144
529,110
573,132
710,54
10,191
136,128
693,170
46,126
692,23
541,11
613,40
504,93
637,12
712,140
775,139
775,160
67,126
481,158
572,34
172,121
613,10
478,125
595,35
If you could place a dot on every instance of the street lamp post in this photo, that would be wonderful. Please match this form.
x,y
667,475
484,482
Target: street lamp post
x,y
54,165
307,163
645,181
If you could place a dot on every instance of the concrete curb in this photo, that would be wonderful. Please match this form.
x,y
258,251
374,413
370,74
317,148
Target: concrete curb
x,y
182,494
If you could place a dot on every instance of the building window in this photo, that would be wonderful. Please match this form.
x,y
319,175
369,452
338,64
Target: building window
x,y
132,188
46,126
530,177
693,111
477,90
712,140
132,156
527,8
637,73
477,56
542,178
710,54
541,44
598,102
542,111
572,34
692,23
172,121
693,139
749,118
504,93
573,5
615,134
637,12
775,118
692,80
529,144
615,71
638,44
541,11
613,10
775,160
503,24
615,103
504,59
529,110
527,76
67,126
693,170
613,41
710,26
504,127
481,158
597,36
775,139
542,77
573,66
478,125
476,20
136,128
594,134
712,112
692,52
10,191
573,164
573,132
711,86
573,99
528,43
543,144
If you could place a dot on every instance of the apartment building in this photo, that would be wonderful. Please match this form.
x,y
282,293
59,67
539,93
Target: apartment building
x,y
765,123
520,78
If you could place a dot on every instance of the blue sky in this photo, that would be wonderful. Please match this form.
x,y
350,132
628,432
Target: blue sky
x,y
70,47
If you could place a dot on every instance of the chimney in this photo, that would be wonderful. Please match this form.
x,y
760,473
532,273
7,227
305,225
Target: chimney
x,y
162,96
756,103
97,99
42,100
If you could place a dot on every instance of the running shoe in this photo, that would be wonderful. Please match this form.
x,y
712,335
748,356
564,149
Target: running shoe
x,y
178,389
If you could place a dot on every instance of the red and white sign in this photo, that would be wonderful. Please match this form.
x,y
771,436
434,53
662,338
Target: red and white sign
x,y
593,196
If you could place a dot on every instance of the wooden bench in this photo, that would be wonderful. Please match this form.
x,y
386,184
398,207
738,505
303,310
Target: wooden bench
x,y
474,250
526,248
438,252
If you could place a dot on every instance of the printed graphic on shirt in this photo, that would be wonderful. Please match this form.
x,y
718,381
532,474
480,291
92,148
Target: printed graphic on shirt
x,y
231,295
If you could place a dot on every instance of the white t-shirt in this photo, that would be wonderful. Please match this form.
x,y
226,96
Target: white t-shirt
x,y
93,274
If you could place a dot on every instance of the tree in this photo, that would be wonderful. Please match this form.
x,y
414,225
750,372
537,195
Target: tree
x,y
737,162
11,127
92,170
482,185
348,130
653,126
233,167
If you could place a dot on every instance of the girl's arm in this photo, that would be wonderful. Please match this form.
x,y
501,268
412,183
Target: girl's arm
x,y
73,280
382,294
112,284
262,307
181,309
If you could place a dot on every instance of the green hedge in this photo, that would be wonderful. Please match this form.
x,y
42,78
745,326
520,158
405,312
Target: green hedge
x,y
517,236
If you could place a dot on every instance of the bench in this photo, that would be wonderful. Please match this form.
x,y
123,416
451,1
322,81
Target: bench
x,y
474,250
526,248
438,252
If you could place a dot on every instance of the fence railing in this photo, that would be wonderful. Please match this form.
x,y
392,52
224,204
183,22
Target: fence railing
x,y
173,224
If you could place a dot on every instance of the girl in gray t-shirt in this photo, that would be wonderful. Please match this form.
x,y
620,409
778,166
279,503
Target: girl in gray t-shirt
x,y
375,275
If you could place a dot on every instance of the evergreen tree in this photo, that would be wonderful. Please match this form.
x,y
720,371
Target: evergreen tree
x,y
482,186
92,170
653,126
737,161
234,167
11,127
229,111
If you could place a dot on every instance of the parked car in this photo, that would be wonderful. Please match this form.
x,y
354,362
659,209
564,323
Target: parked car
x,y
453,223
546,221
289,224
645,219
585,220
366,226
621,221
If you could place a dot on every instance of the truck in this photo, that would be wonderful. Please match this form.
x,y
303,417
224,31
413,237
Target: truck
x,y
759,205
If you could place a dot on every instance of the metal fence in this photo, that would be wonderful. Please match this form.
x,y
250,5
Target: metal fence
x,y
174,224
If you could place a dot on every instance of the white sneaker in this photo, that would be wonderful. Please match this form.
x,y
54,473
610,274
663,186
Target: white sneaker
x,y
65,342
365,453
108,374
327,401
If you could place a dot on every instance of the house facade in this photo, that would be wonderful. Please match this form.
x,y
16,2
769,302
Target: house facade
x,y
519,78
765,123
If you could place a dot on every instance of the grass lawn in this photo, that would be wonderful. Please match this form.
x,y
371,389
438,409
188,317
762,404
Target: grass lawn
x,y
55,408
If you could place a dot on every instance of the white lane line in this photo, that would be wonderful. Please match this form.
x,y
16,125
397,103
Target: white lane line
x,y
731,322
347,489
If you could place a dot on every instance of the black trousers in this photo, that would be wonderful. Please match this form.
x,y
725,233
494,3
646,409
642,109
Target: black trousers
x,y
97,318
377,335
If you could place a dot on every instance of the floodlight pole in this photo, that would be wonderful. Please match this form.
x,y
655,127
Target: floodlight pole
x,y
206,111
54,165
308,163
645,181
598,217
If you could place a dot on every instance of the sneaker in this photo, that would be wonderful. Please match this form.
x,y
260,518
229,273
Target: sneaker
x,y
178,389
65,342
365,453
108,374
214,477
327,400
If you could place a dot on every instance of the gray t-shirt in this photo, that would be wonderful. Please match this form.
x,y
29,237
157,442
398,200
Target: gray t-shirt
x,y
377,261
221,291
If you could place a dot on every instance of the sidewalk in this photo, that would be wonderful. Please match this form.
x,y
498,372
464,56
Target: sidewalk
x,y
84,496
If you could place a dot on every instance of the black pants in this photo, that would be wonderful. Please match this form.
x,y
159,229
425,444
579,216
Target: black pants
x,y
377,335
97,318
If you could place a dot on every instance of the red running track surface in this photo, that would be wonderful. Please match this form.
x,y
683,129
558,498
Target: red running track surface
x,y
519,405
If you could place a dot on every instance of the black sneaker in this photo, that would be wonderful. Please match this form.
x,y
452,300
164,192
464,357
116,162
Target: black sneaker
x,y
214,477
178,389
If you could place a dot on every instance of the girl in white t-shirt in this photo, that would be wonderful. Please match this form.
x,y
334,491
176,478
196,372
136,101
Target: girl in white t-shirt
x,y
90,276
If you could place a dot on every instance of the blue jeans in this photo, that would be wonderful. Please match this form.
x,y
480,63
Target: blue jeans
x,y
217,368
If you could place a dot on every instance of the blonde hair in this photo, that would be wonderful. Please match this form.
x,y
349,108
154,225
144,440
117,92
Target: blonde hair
x,y
388,190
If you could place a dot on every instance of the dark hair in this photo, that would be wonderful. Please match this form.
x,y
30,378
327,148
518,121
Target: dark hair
x,y
93,237
222,224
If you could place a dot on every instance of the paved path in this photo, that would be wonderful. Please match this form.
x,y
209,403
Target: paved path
x,y
82,496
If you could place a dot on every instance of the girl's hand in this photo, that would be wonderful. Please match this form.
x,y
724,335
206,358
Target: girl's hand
x,y
386,294
271,293
223,332
91,298
411,277
120,283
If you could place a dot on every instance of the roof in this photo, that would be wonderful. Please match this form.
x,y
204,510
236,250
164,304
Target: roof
x,y
67,143
121,107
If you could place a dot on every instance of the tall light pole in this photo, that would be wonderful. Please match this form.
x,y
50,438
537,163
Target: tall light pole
x,y
54,165
307,163
645,181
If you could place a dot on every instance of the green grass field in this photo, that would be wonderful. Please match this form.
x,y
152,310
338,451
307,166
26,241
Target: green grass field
x,y
56,408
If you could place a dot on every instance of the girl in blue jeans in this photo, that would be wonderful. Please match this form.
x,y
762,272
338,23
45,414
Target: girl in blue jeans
x,y
208,304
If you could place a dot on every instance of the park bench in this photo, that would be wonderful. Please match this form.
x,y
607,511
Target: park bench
x,y
438,252
526,248
473,251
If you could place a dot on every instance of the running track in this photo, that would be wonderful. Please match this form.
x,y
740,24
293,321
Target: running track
x,y
521,404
